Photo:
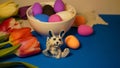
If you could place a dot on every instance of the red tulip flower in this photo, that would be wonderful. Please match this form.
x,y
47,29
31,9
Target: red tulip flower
x,y
9,24
29,46
20,33
16,34
23,36
6,26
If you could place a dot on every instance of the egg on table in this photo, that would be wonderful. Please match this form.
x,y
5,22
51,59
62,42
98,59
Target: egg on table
x,y
79,20
85,30
72,42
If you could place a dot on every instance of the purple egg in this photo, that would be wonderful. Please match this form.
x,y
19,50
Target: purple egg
x,y
59,6
36,8
22,12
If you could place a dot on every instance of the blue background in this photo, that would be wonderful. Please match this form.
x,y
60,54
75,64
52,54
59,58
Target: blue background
x,y
100,50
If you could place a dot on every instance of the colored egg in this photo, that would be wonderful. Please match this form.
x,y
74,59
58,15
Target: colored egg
x,y
22,12
72,42
48,10
54,18
85,30
79,20
36,8
65,15
42,17
59,6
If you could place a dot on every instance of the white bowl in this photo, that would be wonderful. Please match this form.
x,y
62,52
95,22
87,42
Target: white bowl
x,y
43,28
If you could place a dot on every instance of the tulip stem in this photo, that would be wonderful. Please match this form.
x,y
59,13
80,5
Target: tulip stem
x,y
4,43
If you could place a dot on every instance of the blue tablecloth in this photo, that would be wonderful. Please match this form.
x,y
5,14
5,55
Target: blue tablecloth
x,y
100,50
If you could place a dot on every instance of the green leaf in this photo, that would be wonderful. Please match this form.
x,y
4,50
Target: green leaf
x,y
1,20
8,51
4,44
15,64
3,37
28,65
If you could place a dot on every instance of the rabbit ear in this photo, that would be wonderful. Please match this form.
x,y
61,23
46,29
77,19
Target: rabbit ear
x,y
51,33
61,34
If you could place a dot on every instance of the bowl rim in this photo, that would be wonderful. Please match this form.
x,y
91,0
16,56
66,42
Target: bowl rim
x,y
63,21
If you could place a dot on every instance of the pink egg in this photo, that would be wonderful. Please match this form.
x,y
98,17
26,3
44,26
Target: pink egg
x,y
36,8
54,18
85,30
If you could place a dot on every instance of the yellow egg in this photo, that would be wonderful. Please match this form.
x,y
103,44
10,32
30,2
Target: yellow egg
x,y
72,42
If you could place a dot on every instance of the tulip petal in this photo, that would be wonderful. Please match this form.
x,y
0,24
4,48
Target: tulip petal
x,y
20,33
29,46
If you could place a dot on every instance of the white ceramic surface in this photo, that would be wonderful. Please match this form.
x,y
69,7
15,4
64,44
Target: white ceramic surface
x,y
43,27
